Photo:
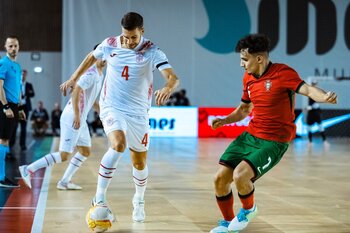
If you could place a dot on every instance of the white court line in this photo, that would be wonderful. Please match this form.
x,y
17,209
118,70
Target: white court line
x,y
31,144
41,206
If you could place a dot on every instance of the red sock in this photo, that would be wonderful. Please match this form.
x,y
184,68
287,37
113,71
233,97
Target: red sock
x,y
247,200
225,204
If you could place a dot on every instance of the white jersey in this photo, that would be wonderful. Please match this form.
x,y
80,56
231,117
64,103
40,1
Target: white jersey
x,y
128,85
90,82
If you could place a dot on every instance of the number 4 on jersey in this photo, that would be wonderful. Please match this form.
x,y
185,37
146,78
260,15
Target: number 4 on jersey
x,y
125,73
145,140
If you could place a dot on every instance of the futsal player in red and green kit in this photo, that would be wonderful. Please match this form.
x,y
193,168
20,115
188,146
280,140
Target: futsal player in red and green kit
x,y
270,89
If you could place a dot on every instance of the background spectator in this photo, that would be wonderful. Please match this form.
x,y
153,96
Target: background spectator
x,y
39,120
181,99
27,93
55,119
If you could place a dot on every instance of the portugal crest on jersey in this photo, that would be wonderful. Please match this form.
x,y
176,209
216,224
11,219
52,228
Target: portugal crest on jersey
x,y
268,85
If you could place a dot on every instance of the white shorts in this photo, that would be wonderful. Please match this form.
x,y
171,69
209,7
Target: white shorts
x,y
70,137
136,128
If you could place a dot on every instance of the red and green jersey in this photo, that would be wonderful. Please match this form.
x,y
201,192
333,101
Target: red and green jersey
x,y
273,98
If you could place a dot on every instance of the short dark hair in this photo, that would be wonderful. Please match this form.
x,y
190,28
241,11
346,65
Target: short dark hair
x,y
131,21
12,37
255,43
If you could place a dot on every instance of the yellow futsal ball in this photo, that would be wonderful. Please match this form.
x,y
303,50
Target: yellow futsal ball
x,y
99,218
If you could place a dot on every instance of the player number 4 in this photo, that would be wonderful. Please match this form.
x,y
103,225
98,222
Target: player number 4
x,y
125,73
145,140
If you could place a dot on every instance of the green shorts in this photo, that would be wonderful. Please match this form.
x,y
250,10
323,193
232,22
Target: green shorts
x,y
260,154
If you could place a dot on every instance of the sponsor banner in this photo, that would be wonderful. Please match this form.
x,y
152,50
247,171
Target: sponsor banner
x,y
336,123
206,116
173,122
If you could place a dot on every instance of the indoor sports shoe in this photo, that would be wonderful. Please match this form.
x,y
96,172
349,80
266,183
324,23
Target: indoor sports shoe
x,y
222,227
138,213
111,216
6,183
25,175
67,186
242,219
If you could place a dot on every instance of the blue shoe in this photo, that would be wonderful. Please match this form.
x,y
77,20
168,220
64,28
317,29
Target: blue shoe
x,y
221,228
242,219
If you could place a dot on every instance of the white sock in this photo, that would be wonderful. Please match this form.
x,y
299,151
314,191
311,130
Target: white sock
x,y
108,166
140,180
75,163
46,161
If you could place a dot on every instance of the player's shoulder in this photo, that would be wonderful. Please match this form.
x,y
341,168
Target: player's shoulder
x,y
111,41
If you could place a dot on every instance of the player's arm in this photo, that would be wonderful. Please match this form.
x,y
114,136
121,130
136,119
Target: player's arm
x,y
318,94
96,107
75,104
7,110
163,94
83,67
241,112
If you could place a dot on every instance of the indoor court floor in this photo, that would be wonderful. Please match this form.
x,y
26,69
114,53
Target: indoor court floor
x,y
308,191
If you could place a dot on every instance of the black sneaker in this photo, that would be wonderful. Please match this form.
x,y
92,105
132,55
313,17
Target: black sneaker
x,y
6,183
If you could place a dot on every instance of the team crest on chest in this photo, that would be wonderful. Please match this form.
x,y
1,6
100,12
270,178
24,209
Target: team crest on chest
x,y
139,57
268,85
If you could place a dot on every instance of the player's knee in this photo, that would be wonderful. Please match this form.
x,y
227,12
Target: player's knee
x,y
139,165
64,156
119,147
220,181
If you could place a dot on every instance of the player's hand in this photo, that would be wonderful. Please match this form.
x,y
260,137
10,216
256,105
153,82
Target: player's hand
x,y
331,97
67,86
76,123
162,95
217,122
22,116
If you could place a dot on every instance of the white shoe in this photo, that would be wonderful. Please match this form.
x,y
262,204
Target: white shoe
x,y
242,219
221,228
138,214
25,175
67,186
111,216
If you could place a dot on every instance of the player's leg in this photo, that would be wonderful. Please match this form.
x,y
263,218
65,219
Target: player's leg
x,y
138,141
140,176
263,157
68,140
83,147
114,126
222,183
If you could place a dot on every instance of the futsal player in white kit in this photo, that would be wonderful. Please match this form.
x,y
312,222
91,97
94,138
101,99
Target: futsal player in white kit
x,y
125,100
74,129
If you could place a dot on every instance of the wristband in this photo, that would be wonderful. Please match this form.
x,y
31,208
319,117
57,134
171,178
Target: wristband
x,y
6,106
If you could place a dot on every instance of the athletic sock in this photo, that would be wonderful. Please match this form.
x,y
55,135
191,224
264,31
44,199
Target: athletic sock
x,y
3,151
225,204
247,200
107,169
140,180
75,163
46,161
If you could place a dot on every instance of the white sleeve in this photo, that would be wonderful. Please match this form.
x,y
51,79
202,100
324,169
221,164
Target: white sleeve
x,y
160,60
98,53
86,80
